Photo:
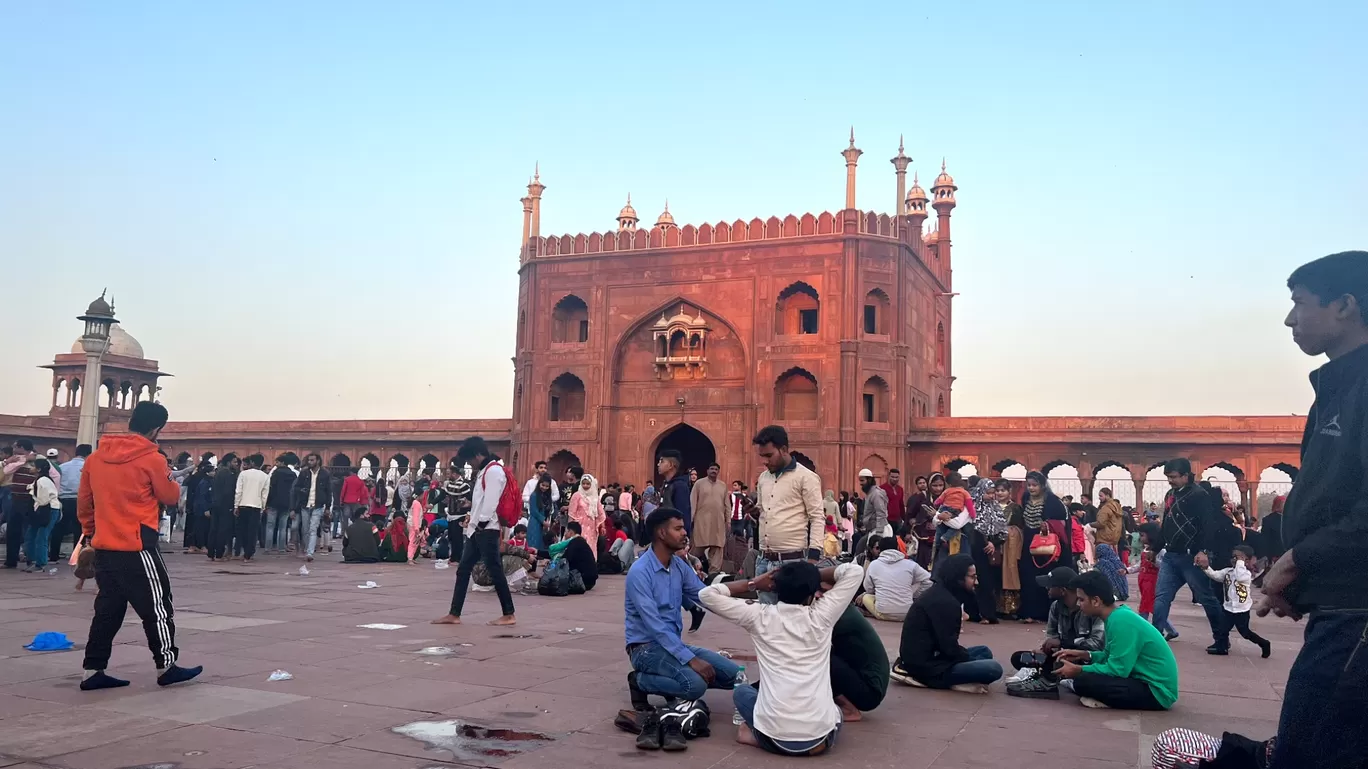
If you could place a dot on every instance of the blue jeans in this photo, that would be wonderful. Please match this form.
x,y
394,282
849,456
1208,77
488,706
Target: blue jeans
x,y
310,518
1176,570
982,669
36,539
658,672
744,697
763,565
277,528
1324,719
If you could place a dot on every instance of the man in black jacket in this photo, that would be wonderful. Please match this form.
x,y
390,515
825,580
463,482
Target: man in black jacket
x,y
312,497
221,520
1189,521
1324,572
279,504
929,652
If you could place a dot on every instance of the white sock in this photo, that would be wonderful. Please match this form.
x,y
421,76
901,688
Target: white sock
x,y
94,673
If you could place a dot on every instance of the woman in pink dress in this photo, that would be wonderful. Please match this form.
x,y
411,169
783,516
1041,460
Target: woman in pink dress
x,y
586,508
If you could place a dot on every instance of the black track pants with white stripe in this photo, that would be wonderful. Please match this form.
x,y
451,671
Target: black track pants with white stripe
x,y
138,579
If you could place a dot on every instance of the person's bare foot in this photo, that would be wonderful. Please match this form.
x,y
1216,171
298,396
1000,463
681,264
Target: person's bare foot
x,y
504,621
745,736
984,622
450,619
849,712
1028,621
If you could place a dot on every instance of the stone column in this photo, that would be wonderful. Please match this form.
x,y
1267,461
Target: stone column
x,y
88,428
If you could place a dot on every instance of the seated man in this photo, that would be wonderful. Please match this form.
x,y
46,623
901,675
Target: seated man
x,y
892,582
360,540
577,554
859,665
1068,628
1135,670
929,653
794,713
662,664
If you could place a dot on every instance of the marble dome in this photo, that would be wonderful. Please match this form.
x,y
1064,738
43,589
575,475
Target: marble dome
x,y
120,343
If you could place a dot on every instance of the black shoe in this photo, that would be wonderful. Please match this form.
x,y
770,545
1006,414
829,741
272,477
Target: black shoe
x,y
177,674
1218,650
698,614
99,680
1265,648
649,739
1037,688
672,735
639,699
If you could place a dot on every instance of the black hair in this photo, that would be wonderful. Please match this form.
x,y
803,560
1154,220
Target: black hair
x,y
1104,490
227,459
147,416
575,527
539,462
25,444
1245,550
895,470
519,529
472,447
1094,584
576,471
661,516
42,466
774,435
905,529
714,464
950,574
1180,465
1335,276
255,460
83,450
673,456
796,582
1077,507
888,543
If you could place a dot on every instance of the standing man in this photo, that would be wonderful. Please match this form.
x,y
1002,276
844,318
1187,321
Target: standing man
x,y
874,519
249,499
352,497
279,503
675,488
708,500
22,475
221,521
67,490
537,471
1188,521
1089,511
122,490
789,496
482,531
312,497
1325,525
897,509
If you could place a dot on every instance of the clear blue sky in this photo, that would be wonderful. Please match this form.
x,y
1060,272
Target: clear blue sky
x,y
310,209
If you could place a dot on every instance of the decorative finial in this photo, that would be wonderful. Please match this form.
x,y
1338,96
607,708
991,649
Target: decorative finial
x,y
102,292
900,144
914,178
667,205
942,164
629,198
852,137
536,171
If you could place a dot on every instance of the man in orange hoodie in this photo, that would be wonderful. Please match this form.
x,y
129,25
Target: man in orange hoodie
x,y
123,486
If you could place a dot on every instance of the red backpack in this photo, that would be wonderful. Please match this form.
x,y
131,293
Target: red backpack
x,y
510,501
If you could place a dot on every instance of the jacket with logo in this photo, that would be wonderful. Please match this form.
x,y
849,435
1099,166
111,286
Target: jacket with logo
x,y
1325,520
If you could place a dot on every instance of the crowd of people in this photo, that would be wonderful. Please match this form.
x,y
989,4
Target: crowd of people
x,y
804,574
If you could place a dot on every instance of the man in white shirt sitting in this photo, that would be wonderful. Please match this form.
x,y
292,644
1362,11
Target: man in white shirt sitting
x,y
794,713
892,582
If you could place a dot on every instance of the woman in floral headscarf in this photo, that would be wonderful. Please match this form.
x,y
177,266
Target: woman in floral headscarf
x,y
987,540
586,508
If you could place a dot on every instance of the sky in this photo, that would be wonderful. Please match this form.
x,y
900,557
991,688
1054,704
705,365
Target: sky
x,y
309,210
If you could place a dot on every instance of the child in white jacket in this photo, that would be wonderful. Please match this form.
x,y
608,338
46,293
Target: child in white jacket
x,y
1239,599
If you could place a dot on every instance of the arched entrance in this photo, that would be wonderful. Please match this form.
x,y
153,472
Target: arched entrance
x,y
695,447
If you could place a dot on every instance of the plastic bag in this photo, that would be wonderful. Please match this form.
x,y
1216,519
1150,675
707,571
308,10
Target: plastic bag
x,y
555,581
279,675
368,586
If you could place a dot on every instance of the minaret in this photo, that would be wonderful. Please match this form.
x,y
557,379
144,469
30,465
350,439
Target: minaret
x,y
99,318
627,218
900,163
943,200
534,191
915,206
527,224
852,156
666,220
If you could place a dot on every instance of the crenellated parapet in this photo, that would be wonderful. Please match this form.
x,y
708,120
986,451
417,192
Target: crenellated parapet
x,y
808,225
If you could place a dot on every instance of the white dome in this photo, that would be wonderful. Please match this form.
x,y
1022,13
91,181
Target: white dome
x,y
120,343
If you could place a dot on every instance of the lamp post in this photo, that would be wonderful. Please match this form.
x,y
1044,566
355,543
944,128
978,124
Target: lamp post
x,y
99,319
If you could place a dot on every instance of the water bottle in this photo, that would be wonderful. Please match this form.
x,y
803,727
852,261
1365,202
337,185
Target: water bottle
x,y
741,680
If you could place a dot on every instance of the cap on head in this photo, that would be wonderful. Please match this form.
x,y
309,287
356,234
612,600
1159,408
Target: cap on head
x,y
1060,576
52,453
866,473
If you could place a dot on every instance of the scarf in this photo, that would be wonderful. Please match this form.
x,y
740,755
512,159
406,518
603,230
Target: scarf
x,y
990,521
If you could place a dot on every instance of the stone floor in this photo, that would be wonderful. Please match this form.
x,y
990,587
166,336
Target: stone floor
x,y
366,698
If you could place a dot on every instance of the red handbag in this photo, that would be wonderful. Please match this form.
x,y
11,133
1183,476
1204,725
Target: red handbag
x,y
1044,545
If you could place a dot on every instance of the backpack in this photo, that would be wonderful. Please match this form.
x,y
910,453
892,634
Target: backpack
x,y
555,581
510,501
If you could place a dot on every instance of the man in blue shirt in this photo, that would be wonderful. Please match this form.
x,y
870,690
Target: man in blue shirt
x,y
657,585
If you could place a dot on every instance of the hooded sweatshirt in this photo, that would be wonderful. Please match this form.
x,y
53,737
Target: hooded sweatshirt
x,y
123,485
930,645
895,582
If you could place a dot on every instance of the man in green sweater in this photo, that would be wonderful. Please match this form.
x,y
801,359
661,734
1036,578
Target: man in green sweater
x,y
1135,670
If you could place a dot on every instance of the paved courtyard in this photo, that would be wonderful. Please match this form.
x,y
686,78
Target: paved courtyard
x,y
365,698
